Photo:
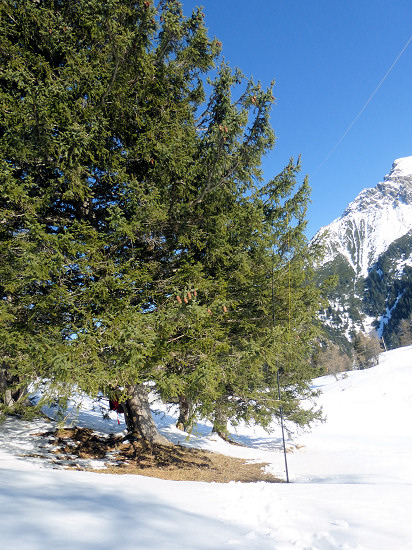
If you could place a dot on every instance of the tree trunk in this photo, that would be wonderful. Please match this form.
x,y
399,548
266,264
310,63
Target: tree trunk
x,y
184,423
139,420
11,391
220,425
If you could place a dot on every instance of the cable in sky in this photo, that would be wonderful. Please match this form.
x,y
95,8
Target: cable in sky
x,y
363,108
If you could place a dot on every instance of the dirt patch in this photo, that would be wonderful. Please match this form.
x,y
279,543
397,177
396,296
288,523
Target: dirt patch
x,y
175,462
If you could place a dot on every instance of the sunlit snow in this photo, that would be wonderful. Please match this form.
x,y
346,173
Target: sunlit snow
x,y
351,482
402,167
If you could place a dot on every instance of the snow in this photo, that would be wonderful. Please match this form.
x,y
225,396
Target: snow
x,y
350,484
401,264
401,167
361,236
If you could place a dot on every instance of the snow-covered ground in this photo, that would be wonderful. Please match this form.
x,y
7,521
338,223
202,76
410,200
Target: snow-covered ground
x,y
351,483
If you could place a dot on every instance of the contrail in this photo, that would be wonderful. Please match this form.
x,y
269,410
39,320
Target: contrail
x,y
363,108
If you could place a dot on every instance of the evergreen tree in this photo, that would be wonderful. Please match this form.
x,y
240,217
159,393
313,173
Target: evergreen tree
x,y
138,241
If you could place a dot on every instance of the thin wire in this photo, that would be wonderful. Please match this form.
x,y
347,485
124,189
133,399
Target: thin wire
x,y
363,108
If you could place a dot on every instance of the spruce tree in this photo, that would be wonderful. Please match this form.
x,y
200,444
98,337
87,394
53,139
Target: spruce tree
x,y
138,240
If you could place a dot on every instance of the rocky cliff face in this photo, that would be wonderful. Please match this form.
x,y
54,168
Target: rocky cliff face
x,y
370,248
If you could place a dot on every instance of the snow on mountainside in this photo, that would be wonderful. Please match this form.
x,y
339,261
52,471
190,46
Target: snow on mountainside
x,y
376,218
369,249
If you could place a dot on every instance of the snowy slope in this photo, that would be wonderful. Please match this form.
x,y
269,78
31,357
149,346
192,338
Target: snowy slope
x,y
351,483
376,218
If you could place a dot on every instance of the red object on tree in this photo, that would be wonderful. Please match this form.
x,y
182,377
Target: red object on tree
x,y
116,406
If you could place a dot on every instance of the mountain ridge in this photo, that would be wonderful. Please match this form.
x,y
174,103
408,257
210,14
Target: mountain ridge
x,y
376,218
370,248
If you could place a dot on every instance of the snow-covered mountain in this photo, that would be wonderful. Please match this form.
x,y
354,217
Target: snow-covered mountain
x,y
370,247
373,221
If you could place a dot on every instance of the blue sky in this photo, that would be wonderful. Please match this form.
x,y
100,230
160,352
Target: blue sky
x,y
327,58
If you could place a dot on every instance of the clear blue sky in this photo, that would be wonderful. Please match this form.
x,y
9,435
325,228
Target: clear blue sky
x,y
327,58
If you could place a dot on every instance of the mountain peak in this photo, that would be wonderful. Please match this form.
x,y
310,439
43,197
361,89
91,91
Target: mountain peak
x,y
377,217
400,168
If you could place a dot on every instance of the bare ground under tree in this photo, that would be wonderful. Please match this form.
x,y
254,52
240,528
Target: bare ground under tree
x,y
173,462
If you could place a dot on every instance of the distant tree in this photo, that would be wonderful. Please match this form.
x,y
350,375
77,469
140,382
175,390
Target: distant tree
x,y
329,359
405,331
138,241
366,350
